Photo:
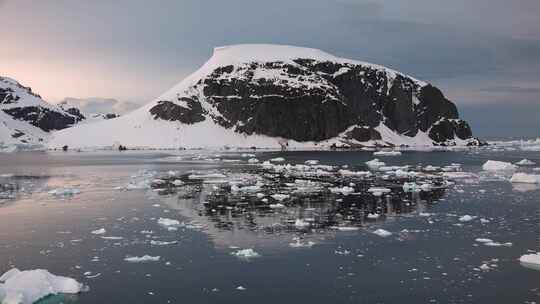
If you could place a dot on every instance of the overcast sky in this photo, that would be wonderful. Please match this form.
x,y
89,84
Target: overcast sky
x,y
477,51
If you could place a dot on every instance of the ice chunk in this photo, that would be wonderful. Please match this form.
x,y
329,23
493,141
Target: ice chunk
x,y
525,178
246,253
142,259
170,224
531,261
277,160
525,162
378,191
312,162
382,233
387,153
99,231
375,164
280,197
466,218
346,190
494,165
26,287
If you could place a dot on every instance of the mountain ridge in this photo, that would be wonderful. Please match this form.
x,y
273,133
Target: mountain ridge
x,y
273,95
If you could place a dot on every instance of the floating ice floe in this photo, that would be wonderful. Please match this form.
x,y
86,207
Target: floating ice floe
x,y
346,190
300,223
64,191
169,224
373,216
299,244
387,153
345,172
530,260
253,160
99,231
466,218
162,243
246,253
494,165
276,206
311,162
375,164
30,286
280,197
345,228
378,191
207,176
525,162
382,233
277,159
525,178
143,259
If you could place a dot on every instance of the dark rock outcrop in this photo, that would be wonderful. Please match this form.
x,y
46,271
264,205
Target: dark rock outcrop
x,y
314,100
42,118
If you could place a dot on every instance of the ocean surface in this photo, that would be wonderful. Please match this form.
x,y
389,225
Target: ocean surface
x,y
84,215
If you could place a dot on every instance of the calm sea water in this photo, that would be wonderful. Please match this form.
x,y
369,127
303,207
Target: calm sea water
x,y
431,256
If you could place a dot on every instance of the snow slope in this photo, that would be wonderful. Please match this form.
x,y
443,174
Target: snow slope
x,y
141,129
24,115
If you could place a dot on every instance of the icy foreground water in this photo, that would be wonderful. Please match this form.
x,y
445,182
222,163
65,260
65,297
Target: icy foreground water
x,y
196,227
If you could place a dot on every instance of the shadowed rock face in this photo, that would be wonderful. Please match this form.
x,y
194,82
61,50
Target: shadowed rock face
x,y
22,104
311,100
42,118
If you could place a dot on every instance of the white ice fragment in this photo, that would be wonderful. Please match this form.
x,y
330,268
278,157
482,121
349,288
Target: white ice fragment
x,y
346,190
466,218
142,259
525,162
277,160
300,223
375,164
99,231
169,224
530,260
525,178
246,253
26,287
280,197
253,160
378,191
387,153
382,233
494,165
312,162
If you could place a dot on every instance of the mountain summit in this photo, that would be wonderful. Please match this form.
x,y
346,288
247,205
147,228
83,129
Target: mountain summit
x,y
273,95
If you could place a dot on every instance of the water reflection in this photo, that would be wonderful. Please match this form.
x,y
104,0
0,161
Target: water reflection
x,y
254,206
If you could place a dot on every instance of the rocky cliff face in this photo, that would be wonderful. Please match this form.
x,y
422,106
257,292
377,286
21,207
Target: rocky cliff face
x,y
22,104
309,97
26,117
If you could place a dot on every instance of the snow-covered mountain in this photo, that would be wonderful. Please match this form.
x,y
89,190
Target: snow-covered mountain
x,y
272,95
25,118
96,108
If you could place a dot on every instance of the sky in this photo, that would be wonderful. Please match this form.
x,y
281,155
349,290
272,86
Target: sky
x,y
477,51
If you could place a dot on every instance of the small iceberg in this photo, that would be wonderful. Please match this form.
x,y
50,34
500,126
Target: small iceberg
x,y
525,178
142,259
382,233
246,253
531,261
494,166
30,286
